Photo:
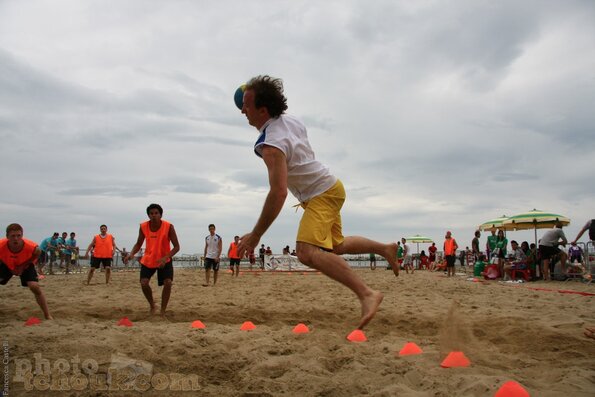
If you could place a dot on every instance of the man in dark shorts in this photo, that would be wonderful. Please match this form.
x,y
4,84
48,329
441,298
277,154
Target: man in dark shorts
x,y
234,258
103,246
213,248
548,248
261,252
450,250
158,235
17,258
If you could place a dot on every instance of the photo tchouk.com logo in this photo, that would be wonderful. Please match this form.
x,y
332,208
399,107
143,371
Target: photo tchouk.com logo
x,y
123,373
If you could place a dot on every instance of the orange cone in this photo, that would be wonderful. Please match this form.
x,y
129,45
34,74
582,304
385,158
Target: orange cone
x,y
124,322
511,389
198,324
301,329
357,336
247,326
32,321
410,349
455,359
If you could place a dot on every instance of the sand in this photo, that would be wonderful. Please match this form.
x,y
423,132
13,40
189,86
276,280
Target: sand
x,y
508,332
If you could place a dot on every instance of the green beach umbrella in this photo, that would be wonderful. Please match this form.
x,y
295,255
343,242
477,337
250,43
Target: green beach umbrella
x,y
419,239
536,219
495,224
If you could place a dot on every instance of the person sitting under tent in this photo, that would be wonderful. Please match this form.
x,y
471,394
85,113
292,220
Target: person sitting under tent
x,y
518,260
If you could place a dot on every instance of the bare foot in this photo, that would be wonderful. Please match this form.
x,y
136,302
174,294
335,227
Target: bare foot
x,y
590,333
390,255
370,305
49,317
205,285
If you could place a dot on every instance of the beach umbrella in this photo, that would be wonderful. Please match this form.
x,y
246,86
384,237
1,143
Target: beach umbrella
x,y
536,219
418,239
495,224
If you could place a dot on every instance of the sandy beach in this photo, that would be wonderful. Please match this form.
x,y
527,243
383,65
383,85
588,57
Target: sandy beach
x,y
508,332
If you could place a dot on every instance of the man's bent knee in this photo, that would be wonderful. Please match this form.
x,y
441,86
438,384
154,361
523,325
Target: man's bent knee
x,y
144,282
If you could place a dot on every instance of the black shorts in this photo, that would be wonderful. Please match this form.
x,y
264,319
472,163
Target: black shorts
x,y
43,258
106,262
450,260
163,273
52,256
234,261
29,274
548,252
211,263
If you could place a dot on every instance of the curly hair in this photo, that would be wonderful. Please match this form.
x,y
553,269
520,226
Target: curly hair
x,y
268,92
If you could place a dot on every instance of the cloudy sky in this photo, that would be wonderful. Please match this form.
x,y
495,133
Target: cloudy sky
x,y
435,114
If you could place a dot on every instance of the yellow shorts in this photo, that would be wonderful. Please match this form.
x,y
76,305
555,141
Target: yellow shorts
x,y
321,222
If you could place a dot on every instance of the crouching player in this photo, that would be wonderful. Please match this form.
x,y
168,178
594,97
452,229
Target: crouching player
x,y
158,234
17,258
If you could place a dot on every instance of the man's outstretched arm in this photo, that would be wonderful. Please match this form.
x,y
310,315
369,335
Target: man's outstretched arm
x,y
277,168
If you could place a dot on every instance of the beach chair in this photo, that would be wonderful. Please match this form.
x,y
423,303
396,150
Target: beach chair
x,y
491,272
526,272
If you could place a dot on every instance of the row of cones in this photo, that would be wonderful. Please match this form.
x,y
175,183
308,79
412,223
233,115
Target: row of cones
x,y
453,360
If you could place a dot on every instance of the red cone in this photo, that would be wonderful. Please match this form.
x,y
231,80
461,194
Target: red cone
x,y
124,322
410,349
32,321
357,336
511,389
455,359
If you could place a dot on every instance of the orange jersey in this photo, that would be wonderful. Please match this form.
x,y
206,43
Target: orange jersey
x,y
104,246
450,245
156,243
233,251
14,259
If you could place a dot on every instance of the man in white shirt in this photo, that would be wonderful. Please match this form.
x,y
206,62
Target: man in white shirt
x,y
407,256
212,254
284,147
548,248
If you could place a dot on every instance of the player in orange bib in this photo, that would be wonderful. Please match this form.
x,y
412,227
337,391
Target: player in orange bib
x,y
158,235
17,258
234,258
103,247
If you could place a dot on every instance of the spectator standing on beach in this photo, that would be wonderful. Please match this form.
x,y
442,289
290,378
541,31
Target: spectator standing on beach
x,y
590,226
62,248
103,246
372,261
70,248
407,256
261,252
548,248
212,254
432,257
491,244
450,251
284,147
53,249
500,251
234,257
17,258
44,256
251,258
475,246
159,236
